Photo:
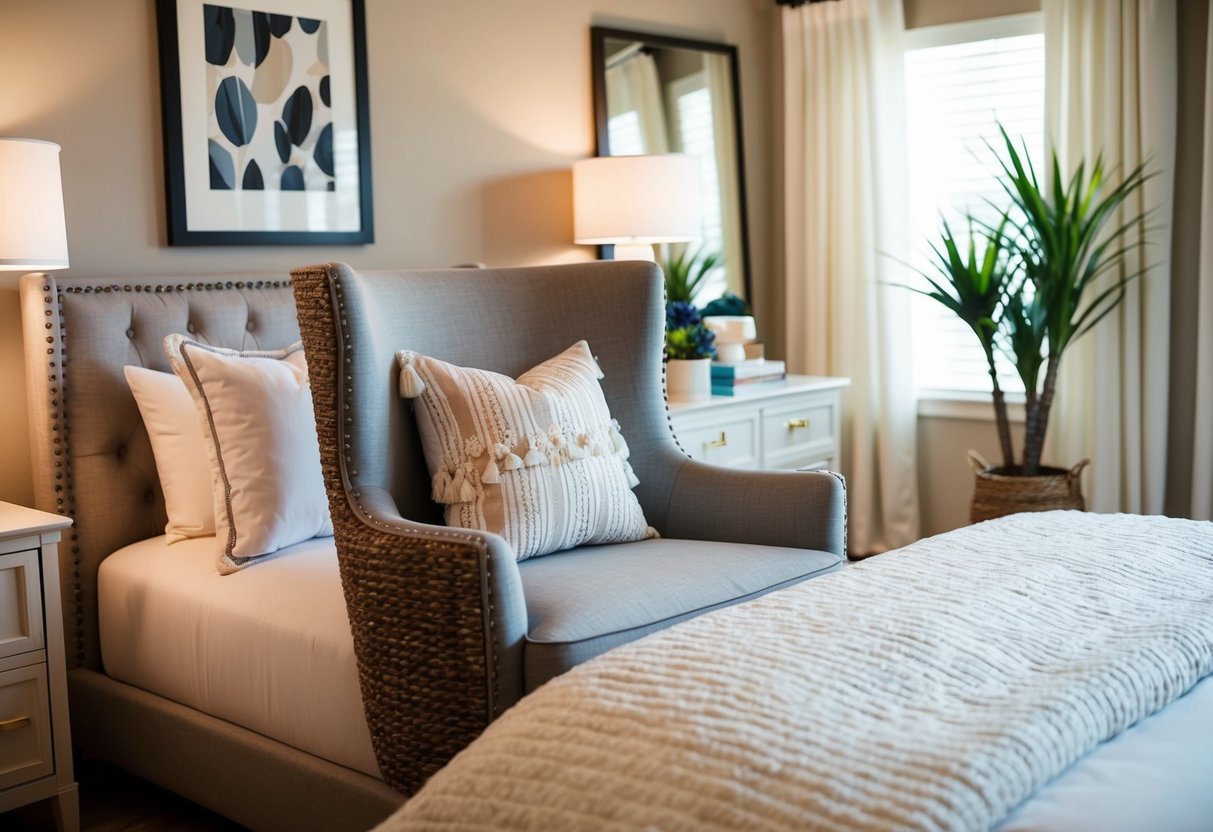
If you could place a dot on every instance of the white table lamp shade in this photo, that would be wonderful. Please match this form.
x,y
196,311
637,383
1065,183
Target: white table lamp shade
x,y
636,199
33,234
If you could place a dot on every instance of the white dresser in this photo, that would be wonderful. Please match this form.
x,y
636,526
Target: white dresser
x,y
35,743
790,424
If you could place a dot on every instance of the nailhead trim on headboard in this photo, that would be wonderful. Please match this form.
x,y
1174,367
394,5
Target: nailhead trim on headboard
x,y
64,497
180,287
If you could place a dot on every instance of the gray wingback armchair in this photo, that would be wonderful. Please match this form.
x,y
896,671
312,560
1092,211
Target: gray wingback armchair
x,y
449,630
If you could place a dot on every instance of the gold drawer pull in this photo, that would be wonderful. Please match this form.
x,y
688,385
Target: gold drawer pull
x,y
719,442
796,424
14,723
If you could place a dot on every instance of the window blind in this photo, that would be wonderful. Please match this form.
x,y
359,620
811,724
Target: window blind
x,y
957,93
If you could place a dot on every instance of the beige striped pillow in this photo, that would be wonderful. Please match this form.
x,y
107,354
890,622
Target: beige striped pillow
x,y
538,461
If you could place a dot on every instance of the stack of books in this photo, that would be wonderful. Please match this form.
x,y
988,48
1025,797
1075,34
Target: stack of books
x,y
727,378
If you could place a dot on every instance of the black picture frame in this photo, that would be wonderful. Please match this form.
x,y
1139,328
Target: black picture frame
x,y
238,212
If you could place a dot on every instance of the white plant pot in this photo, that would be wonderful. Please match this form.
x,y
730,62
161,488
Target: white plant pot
x,y
688,380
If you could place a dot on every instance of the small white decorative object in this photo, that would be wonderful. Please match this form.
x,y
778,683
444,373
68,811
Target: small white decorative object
x,y
689,380
732,332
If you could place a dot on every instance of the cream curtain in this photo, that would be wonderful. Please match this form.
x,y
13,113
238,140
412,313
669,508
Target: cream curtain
x,y
718,72
1110,75
845,202
633,84
1202,456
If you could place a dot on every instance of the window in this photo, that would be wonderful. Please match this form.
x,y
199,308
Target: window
x,y
962,80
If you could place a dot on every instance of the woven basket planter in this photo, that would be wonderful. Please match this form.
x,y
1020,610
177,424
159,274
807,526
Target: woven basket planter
x,y
1000,491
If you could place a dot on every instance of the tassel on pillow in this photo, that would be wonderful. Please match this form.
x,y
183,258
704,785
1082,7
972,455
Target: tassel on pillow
x,y
491,474
507,459
600,446
535,456
633,480
467,488
574,448
617,441
411,385
556,442
455,487
442,485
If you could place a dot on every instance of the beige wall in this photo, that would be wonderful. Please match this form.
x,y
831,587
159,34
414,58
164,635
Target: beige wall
x,y
945,480
477,109
934,12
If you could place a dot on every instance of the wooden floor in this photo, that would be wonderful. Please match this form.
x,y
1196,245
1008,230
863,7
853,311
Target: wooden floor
x,y
113,801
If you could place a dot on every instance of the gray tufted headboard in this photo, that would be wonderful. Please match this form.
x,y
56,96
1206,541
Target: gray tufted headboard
x,y
91,455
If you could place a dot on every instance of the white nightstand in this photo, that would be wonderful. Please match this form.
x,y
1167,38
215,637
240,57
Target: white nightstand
x,y
790,424
35,743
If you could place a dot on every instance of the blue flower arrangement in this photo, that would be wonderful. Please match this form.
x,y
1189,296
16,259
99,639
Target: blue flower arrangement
x,y
685,335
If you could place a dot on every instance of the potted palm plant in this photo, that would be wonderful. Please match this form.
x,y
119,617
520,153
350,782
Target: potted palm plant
x,y
1029,286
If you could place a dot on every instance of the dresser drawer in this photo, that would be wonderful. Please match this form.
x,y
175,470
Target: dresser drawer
x,y
20,604
25,726
800,426
731,442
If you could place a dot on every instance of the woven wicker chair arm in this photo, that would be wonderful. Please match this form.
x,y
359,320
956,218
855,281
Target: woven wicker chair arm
x,y
379,509
439,620
798,509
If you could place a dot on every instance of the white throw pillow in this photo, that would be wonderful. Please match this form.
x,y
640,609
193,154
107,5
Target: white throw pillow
x,y
256,413
538,461
179,449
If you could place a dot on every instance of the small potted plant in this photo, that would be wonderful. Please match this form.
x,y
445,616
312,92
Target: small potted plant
x,y
1029,286
689,351
689,344
728,316
686,273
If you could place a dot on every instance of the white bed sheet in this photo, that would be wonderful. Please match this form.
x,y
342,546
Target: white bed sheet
x,y
267,648
1156,776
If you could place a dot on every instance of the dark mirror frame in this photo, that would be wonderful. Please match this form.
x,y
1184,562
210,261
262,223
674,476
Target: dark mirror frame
x,y
599,35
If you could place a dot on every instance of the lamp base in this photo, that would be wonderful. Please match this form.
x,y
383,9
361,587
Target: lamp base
x,y
635,251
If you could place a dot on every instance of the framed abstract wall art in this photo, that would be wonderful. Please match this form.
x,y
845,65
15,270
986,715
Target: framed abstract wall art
x,y
266,130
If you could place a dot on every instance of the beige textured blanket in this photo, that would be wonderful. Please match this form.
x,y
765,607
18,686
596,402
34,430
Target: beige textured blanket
x,y
935,687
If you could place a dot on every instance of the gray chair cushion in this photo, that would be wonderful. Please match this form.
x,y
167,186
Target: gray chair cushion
x,y
584,602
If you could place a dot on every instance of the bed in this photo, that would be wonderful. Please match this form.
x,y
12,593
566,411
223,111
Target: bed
x,y
93,462
230,645
980,679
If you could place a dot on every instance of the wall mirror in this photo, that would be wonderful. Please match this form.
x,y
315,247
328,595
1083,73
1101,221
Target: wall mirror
x,y
657,94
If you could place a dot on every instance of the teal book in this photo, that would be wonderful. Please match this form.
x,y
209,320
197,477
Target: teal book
x,y
745,370
730,388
